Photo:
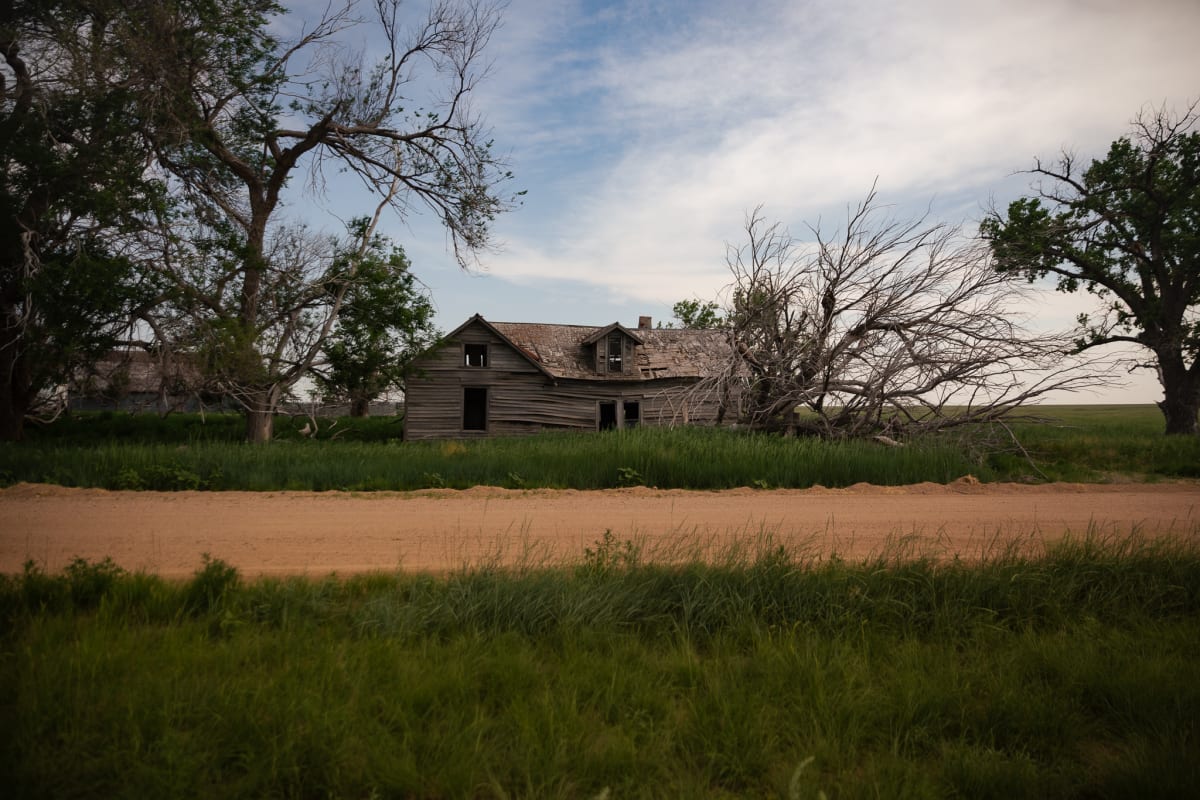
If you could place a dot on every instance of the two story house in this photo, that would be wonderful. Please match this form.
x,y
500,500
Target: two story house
x,y
509,378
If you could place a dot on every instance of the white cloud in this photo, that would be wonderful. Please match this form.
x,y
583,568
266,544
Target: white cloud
x,y
800,107
645,130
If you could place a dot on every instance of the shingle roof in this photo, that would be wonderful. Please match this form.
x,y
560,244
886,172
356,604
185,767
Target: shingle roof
x,y
663,353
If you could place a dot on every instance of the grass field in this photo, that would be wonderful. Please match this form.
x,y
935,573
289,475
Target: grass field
x,y
120,451
760,675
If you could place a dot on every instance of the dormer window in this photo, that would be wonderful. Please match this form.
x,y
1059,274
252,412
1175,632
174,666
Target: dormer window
x,y
475,355
615,347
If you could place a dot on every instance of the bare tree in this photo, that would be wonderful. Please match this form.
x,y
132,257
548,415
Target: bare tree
x,y
302,284
887,329
237,115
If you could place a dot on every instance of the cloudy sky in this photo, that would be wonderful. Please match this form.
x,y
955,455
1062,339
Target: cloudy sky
x,y
644,130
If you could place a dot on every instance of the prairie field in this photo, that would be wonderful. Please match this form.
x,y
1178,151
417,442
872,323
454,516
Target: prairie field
x,y
757,666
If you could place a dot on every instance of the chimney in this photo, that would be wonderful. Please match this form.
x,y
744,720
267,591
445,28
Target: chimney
x,y
644,323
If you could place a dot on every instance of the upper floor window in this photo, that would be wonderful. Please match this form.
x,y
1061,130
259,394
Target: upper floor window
x,y
615,348
476,355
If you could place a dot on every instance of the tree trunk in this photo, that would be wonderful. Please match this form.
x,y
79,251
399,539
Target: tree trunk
x,y
1181,397
360,407
12,419
260,416
260,426
14,392
1181,414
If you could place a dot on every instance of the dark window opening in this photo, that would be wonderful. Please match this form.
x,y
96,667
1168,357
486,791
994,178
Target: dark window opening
x,y
474,409
632,413
614,352
476,355
608,415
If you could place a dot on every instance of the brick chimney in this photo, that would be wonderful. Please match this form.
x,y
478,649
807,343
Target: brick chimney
x,y
645,323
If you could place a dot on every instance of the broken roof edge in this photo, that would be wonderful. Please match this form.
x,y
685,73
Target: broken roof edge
x,y
557,351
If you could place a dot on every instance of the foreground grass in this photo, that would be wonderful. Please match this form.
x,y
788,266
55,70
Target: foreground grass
x,y
763,674
119,451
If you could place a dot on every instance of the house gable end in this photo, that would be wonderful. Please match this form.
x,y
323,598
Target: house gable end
x,y
460,334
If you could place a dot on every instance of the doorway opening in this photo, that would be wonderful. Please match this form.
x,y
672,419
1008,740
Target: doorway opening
x,y
474,408
608,415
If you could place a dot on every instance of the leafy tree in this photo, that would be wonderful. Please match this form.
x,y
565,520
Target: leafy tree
x,y
238,114
385,321
73,188
1127,230
697,314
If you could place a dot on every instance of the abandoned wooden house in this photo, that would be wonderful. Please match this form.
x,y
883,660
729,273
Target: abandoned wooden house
x,y
135,380
508,378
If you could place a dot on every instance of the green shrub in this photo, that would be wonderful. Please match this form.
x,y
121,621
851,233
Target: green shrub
x,y
210,586
170,477
608,554
127,478
89,583
628,476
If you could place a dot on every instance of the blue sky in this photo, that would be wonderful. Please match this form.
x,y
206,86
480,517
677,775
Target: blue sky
x,y
644,131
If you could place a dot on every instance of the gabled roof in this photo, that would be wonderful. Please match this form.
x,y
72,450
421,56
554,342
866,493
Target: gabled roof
x,y
478,319
607,329
566,351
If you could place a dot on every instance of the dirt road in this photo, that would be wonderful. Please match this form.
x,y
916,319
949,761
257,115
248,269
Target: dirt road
x,y
318,533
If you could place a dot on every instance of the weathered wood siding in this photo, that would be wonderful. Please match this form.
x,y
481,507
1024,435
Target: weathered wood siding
x,y
434,397
523,400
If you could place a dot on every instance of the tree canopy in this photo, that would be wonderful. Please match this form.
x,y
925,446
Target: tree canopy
x,y
386,320
149,149
697,314
1125,228
73,190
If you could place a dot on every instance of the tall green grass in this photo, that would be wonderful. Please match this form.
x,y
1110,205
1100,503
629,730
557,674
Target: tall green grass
x,y
1101,442
690,458
183,452
762,674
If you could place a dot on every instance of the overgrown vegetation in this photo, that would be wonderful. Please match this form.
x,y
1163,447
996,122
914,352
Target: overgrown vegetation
x,y
763,673
121,451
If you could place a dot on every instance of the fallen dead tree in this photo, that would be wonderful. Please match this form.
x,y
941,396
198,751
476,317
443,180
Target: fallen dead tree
x,y
888,329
